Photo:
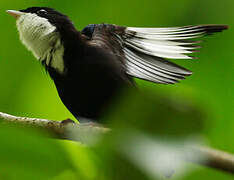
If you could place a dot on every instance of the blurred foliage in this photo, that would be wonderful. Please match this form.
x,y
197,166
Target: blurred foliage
x,y
154,113
26,90
138,148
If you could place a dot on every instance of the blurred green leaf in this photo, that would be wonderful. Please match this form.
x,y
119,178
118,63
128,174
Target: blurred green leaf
x,y
156,113
27,154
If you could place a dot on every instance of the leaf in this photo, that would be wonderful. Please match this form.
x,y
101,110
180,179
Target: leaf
x,y
27,154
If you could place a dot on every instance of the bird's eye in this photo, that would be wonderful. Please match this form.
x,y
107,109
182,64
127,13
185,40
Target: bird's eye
x,y
42,11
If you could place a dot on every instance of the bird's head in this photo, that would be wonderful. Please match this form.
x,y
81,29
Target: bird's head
x,y
40,17
40,29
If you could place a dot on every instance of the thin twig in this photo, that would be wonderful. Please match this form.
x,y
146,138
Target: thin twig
x,y
54,127
215,159
60,129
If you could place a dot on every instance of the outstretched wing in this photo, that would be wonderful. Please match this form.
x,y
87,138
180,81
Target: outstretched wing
x,y
145,50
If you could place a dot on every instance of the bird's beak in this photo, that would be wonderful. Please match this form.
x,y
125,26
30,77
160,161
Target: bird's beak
x,y
15,14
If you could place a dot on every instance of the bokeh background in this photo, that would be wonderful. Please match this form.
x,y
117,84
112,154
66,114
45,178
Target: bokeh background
x,y
26,89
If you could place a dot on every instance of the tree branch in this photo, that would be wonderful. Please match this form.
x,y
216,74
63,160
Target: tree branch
x,y
59,129
215,159
54,127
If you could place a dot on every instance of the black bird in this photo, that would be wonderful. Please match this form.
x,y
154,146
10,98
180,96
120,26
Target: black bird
x,y
90,68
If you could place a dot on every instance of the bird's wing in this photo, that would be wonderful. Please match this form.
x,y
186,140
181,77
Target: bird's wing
x,y
145,50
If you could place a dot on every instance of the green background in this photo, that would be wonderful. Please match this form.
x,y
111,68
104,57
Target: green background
x,y
26,89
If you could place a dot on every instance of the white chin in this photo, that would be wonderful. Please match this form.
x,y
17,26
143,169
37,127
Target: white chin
x,y
40,37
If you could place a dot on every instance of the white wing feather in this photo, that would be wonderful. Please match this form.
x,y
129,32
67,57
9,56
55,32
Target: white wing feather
x,y
145,49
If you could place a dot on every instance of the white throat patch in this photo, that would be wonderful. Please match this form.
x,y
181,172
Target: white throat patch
x,y
40,37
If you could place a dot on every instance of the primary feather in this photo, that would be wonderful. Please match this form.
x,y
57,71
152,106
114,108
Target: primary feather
x,y
146,48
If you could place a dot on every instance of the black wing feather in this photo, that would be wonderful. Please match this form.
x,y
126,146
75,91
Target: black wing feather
x,y
144,50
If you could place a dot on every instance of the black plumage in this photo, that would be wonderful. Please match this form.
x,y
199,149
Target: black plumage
x,y
88,30
102,59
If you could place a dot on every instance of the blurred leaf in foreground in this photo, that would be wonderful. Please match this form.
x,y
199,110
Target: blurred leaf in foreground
x,y
148,140
158,114
150,136
27,154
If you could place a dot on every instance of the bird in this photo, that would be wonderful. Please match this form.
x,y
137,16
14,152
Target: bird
x,y
92,67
